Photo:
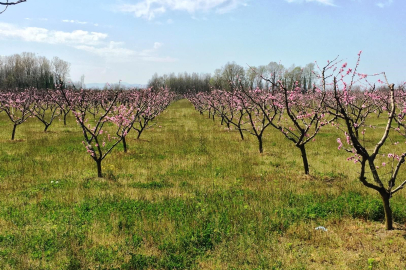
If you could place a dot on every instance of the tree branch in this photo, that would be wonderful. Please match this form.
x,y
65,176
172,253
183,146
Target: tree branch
x,y
395,173
12,3
398,188
389,123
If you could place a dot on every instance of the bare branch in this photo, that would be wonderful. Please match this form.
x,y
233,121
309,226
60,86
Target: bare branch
x,y
388,125
7,4
12,3
398,188
395,173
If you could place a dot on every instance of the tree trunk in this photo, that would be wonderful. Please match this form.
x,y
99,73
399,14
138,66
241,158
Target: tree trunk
x,y
124,145
261,150
14,132
388,211
46,127
99,169
241,134
304,158
64,118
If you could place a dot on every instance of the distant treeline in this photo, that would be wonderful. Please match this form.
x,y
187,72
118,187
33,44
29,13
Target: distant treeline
x,y
182,83
28,70
232,73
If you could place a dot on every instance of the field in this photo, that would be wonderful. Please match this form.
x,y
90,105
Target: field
x,y
189,194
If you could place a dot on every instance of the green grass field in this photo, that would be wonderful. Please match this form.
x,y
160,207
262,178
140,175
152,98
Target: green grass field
x,y
188,195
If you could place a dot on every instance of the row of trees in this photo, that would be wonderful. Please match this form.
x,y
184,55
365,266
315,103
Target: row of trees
x,y
336,100
105,117
28,70
182,83
232,72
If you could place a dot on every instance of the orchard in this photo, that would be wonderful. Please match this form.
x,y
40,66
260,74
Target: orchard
x,y
137,179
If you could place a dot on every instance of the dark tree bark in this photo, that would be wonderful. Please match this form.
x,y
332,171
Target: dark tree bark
x,y
241,134
12,3
261,149
387,209
14,131
64,118
304,158
99,169
124,145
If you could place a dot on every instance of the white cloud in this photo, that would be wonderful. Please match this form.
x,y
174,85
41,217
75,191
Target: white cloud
x,y
74,21
78,36
166,59
79,22
323,2
40,19
150,55
115,51
384,4
36,34
149,9
157,45
92,42
142,9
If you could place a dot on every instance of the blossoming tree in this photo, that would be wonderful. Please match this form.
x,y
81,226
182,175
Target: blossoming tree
x,y
368,154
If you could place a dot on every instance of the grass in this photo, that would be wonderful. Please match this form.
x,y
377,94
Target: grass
x,y
189,195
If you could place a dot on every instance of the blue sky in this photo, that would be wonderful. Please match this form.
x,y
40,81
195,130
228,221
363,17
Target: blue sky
x,y
130,40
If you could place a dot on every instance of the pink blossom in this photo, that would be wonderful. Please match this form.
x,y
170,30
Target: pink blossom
x,y
340,144
348,138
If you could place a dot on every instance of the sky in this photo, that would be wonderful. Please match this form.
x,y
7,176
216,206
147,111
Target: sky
x,y
130,40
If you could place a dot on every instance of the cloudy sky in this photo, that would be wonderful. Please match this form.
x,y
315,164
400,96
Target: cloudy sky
x,y
130,40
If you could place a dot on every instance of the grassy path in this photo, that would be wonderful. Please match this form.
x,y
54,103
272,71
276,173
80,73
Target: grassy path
x,y
189,195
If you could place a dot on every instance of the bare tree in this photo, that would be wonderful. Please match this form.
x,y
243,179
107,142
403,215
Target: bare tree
x,y
275,71
10,4
60,69
27,70
232,74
